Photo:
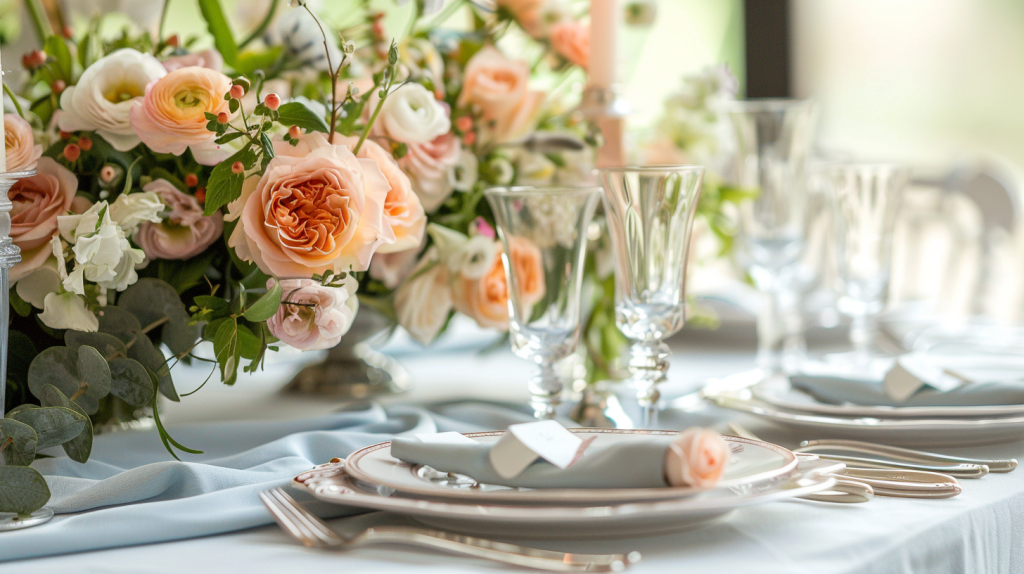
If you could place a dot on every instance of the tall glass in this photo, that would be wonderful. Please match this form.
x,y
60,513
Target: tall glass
x,y
867,199
773,140
544,235
650,217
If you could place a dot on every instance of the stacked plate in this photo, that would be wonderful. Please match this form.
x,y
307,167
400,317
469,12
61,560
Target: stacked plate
x,y
948,426
758,472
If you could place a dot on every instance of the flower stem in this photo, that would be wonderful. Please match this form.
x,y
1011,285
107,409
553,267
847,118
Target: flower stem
x,y
39,20
81,391
8,442
333,73
14,100
263,25
160,29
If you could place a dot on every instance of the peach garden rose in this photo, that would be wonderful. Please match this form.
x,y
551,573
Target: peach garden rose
x,y
310,214
38,201
22,151
170,118
571,40
696,458
498,87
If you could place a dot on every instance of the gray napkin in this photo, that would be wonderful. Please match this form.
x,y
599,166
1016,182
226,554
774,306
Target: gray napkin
x,y
639,464
870,392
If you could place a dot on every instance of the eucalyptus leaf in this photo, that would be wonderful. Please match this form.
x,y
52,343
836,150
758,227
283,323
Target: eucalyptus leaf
x,y
151,301
20,408
108,345
93,370
22,490
146,353
53,425
119,322
79,448
22,449
87,378
130,382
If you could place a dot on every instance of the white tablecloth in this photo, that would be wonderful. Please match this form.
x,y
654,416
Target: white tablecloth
x,y
980,531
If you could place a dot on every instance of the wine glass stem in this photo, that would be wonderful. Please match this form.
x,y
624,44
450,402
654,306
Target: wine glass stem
x,y
863,328
545,391
648,363
770,335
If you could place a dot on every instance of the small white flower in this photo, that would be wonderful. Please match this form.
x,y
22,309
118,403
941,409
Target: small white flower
x,y
103,254
501,170
105,93
411,114
34,287
129,210
535,170
465,174
68,311
469,257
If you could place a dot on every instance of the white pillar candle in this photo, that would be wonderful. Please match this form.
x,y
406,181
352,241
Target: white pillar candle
x,y
604,34
3,148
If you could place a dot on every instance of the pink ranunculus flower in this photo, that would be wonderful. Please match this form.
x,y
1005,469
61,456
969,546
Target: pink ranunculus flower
x,y
571,40
38,201
206,59
312,316
696,458
428,165
308,214
22,151
170,118
498,86
185,233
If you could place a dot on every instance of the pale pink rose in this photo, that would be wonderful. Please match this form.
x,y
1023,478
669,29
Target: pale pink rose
x,y
696,458
38,200
171,116
424,301
310,214
22,151
428,165
206,59
392,268
571,40
185,233
312,316
498,86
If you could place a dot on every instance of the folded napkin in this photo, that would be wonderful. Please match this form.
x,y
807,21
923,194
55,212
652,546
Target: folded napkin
x,y
638,464
871,392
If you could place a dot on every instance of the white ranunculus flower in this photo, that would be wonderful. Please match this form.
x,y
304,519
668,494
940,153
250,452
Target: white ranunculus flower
x,y
411,114
534,169
422,303
129,210
68,311
103,254
104,94
464,256
465,174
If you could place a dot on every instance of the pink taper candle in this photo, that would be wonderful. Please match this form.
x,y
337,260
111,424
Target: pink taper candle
x,y
604,34
3,148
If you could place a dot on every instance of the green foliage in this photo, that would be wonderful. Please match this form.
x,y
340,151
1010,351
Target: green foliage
x,y
21,441
266,306
217,24
225,185
22,490
131,382
81,374
298,114
53,425
79,448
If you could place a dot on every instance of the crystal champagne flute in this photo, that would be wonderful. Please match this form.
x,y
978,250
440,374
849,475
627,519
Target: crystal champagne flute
x,y
650,214
544,235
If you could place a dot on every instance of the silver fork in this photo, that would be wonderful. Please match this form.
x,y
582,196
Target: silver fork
x,y
313,532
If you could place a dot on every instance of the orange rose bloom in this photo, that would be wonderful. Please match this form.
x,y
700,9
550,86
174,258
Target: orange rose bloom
x,y
572,41
498,86
484,299
529,271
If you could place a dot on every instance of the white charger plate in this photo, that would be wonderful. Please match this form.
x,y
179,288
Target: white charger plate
x,y
901,432
751,463
332,484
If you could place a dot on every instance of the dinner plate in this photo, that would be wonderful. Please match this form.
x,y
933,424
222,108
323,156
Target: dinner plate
x,y
331,483
781,395
751,463
904,432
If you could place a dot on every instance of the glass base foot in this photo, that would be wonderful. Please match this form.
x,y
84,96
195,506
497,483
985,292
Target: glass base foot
x,y
10,521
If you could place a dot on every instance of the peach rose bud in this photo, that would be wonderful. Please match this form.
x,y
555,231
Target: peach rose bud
x,y
696,458
22,151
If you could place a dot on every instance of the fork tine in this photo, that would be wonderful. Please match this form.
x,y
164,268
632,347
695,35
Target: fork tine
x,y
284,520
311,522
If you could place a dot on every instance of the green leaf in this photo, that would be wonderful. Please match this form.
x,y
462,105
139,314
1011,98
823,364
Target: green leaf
x,y
225,348
20,408
249,345
22,490
61,367
224,185
151,300
130,382
20,306
217,24
108,345
22,449
297,114
56,47
265,307
165,437
251,60
183,275
150,357
79,448
53,425
93,370
119,322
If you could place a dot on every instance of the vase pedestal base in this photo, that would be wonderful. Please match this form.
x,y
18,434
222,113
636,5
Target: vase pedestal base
x,y
10,521
355,372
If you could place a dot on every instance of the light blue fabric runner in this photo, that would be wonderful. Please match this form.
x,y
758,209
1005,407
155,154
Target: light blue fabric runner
x,y
132,492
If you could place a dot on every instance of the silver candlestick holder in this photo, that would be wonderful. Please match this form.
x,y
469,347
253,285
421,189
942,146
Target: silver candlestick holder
x,y
9,255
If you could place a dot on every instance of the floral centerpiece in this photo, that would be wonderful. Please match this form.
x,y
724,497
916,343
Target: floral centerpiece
x,y
256,194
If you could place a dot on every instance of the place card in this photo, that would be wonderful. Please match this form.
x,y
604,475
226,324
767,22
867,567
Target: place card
x,y
524,443
912,372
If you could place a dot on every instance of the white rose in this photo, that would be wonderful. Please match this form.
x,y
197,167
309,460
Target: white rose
x,y
104,94
424,302
411,114
129,210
